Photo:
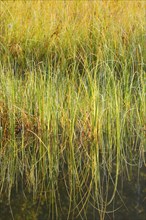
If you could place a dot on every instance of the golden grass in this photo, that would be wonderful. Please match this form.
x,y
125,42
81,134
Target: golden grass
x,y
72,98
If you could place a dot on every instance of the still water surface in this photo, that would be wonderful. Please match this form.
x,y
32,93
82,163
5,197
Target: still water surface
x,y
133,194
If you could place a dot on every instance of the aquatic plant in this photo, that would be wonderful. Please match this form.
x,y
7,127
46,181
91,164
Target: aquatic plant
x,y
72,100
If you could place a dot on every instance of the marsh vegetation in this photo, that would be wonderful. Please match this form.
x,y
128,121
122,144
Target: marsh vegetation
x,y
72,101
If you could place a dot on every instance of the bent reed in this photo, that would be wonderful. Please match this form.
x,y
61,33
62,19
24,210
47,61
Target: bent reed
x,y
72,100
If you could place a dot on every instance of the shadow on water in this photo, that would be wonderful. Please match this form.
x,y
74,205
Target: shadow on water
x,y
131,205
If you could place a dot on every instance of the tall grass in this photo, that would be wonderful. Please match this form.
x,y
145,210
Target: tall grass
x,y
72,99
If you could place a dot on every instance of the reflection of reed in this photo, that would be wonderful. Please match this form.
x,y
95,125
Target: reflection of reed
x,y
74,107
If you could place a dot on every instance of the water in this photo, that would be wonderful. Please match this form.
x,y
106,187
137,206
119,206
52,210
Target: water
x,y
133,206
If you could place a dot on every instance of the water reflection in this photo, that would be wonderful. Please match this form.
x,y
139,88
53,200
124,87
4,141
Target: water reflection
x,y
132,204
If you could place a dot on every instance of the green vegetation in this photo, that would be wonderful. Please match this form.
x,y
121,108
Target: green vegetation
x,y
72,99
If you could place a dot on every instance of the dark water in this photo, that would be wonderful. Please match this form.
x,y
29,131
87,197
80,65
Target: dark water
x,y
133,207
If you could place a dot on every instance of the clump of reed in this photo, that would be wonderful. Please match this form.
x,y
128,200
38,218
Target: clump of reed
x,y
72,100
